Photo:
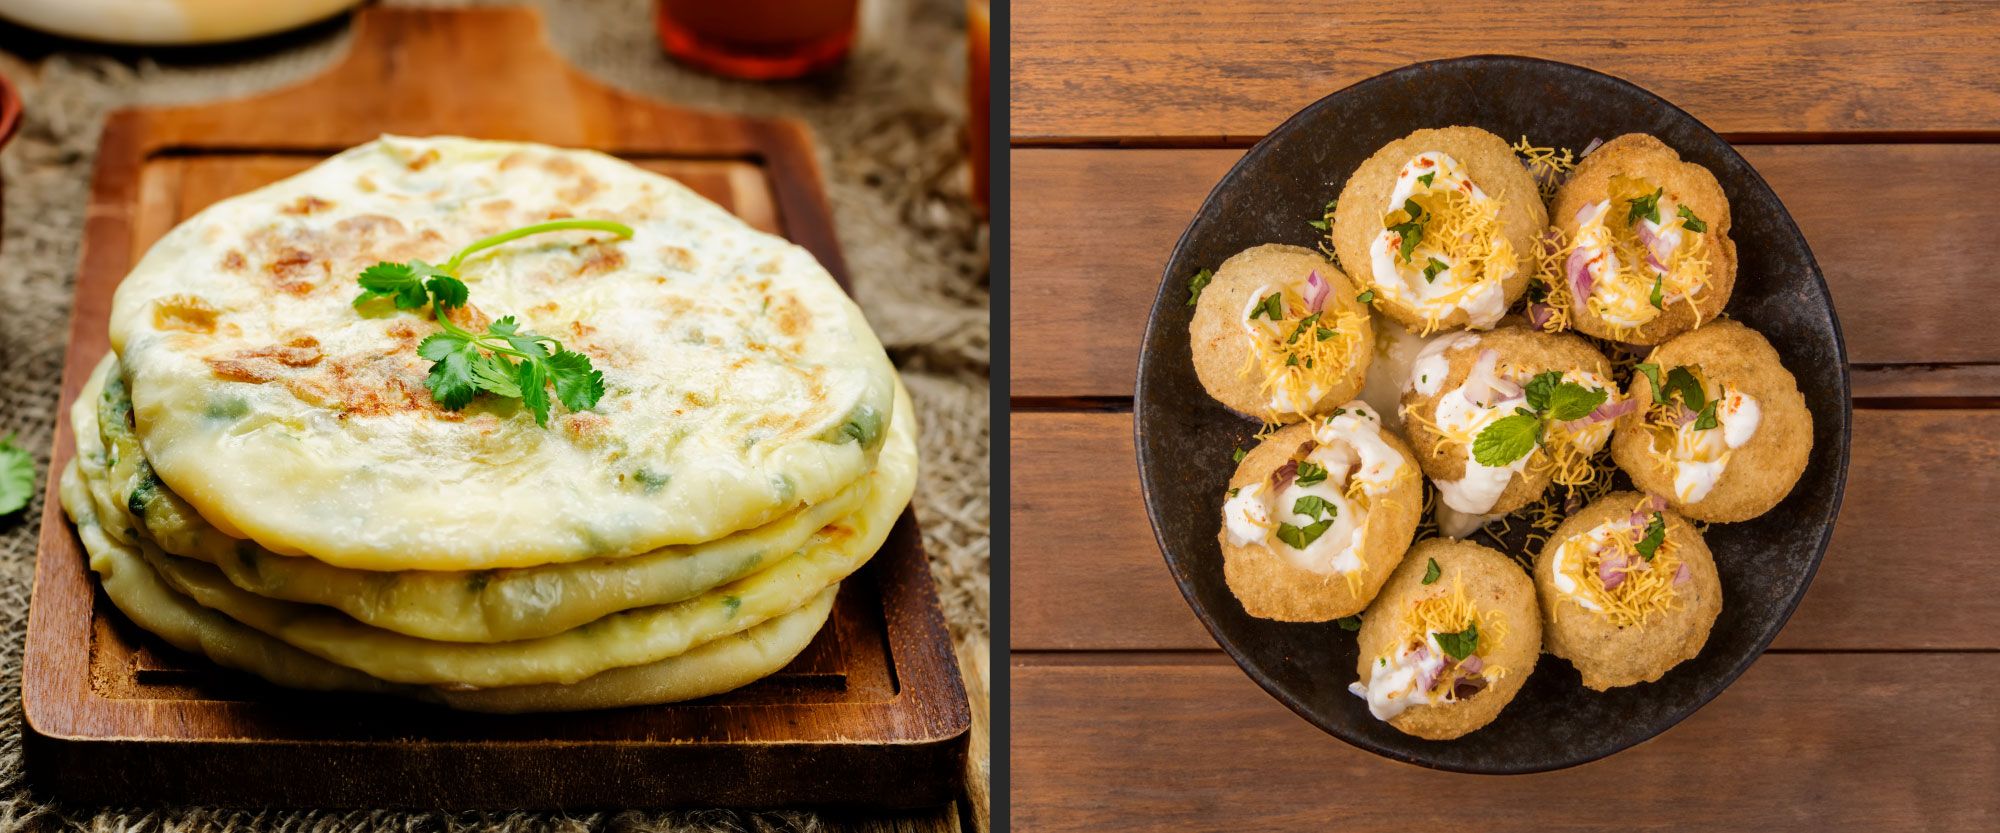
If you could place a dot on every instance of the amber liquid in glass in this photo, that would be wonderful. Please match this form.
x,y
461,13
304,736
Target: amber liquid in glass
x,y
978,26
758,39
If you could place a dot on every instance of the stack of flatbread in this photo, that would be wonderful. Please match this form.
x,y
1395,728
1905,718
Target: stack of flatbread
x,y
263,477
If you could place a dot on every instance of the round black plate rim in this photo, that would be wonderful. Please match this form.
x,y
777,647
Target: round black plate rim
x,y
1169,287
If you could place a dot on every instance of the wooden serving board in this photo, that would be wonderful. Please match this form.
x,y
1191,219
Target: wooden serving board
x,y
872,714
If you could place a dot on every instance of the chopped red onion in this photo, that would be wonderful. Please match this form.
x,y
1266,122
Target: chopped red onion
x,y
1316,291
1594,144
1468,686
1580,279
1285,475
1611,571
1657,503
1471,664
1606,412
1539,314
1682,575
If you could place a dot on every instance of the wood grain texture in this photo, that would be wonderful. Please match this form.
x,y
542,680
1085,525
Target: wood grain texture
x,y
874,716
1900,573
1235,68
1875,742
1094,228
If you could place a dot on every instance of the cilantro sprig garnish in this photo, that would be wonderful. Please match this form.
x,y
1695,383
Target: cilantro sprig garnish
x,y
17,476
505,360
1411,230
1550,399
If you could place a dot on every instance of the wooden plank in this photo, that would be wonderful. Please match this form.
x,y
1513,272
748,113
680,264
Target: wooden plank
x,y
1088,254
1878,742
1088,574
1208,68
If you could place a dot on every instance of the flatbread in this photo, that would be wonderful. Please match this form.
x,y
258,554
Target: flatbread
x,y
712,668
452,606
623,639
741,380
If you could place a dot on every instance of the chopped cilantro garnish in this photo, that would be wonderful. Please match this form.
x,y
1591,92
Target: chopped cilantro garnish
x,y
1462,644
1682,383
1659,283
1197,283
1431,572
1314,506
1311,472
1367,297
1238,455
1691,222
1432,269
1300,537
1647,207
1349,623
1272,307
1656,534
1651,372
1426,178
1323,333
1305,322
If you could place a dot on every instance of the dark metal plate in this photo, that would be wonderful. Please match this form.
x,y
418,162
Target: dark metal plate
x,y
1184,437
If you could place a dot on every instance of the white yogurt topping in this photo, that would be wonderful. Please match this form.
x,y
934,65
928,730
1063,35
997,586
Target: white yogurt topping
x,y
1391,371
1458,413
1396,686
1247,516
1700,456
1403,281
1627,303
1427,372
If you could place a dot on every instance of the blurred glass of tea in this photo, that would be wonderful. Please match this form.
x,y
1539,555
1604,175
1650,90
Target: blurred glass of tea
x,y
978,26
758,39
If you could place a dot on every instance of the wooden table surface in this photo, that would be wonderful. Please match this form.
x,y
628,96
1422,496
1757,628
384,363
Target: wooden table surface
x,y
1877,123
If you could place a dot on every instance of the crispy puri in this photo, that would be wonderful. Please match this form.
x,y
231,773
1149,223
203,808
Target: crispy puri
x,y
1224,340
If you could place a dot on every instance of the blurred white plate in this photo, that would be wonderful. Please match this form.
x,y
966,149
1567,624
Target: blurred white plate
x,y
168,22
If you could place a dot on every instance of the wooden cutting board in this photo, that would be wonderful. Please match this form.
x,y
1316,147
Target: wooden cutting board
x,y
872,714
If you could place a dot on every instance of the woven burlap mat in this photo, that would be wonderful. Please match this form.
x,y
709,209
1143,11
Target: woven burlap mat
x,y
889,127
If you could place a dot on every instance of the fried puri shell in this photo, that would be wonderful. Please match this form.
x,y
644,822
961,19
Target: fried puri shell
x,y
1222,349
1606,654
1270,586
1518,346
1761,472
1685,183
1490,163
1498,588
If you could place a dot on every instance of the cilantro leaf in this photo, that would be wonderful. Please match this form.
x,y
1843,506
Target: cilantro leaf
x,y
1706,418
447,291
1681,383
1323,333
1318,224
1691,222
1507,439
1197,283
1272,307
578,384
509,331
1652,373
399,281
450,379
1462,644
533,378
1349,623
1304,323
1311,473
1367,297
1431,572
495,375
1300,537
1539,388
1426,178
1659,283
1238,455
1313,506
17,476
1656,534
1573,401
1647,207
1432,269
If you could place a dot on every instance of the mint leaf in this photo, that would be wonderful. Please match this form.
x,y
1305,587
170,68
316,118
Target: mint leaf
x,y
1431,572
17,476
1706,419
1507,439
1539,388
1462,644
1197,283
1573,401
1656,534
1301,537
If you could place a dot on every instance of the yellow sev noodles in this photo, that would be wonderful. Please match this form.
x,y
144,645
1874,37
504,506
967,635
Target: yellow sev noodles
x,y
1289,354
1648,588
1451,611
1467,230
